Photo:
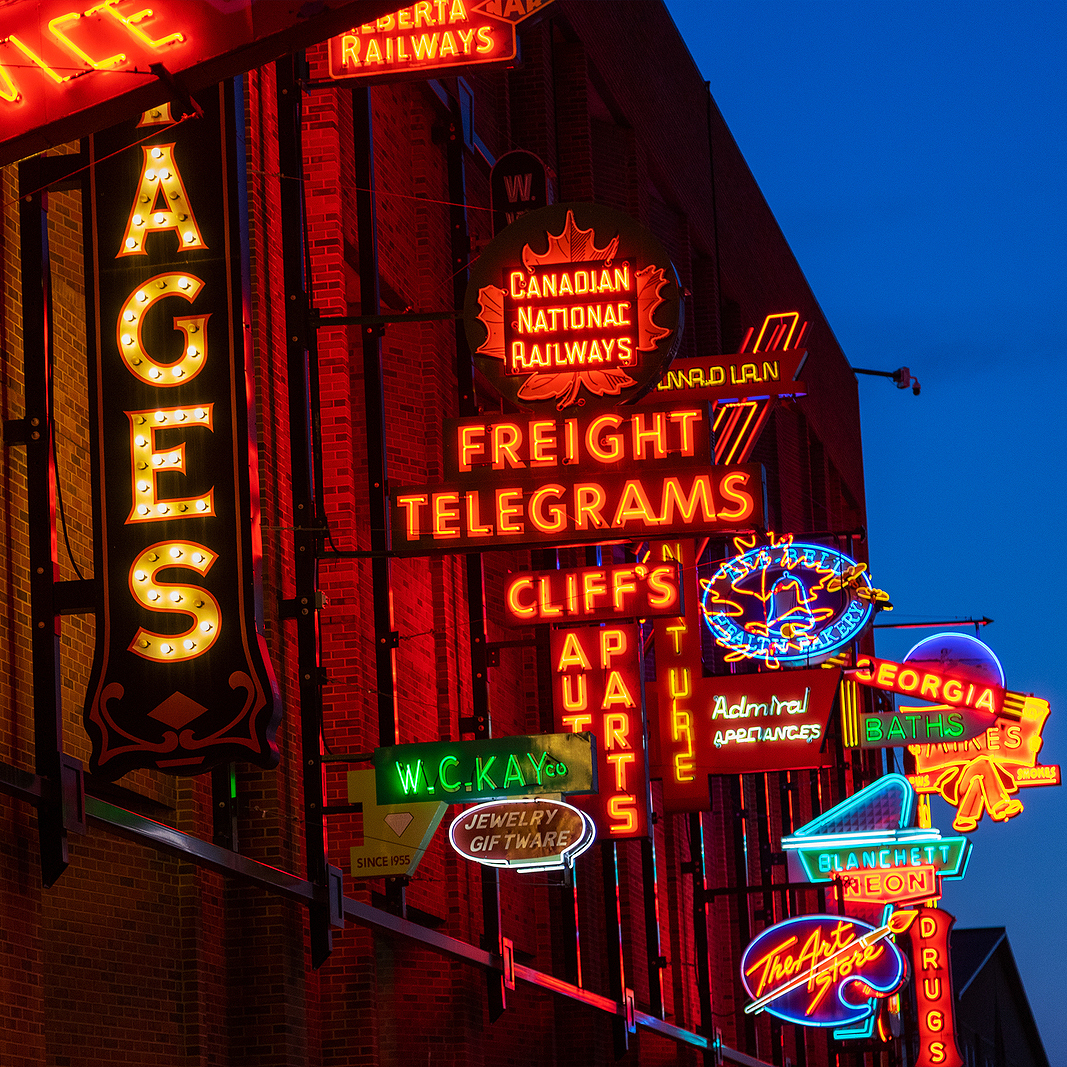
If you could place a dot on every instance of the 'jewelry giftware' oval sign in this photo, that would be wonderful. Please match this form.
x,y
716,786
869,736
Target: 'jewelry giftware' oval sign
x,y
573,304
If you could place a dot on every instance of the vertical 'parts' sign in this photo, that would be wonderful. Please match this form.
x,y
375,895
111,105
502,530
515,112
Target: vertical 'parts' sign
x,y
596,687
181,680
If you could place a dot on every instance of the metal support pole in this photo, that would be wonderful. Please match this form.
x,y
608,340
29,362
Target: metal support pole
x,y
656,959
744,926
697,861
306,534
385,634
609,855
479,722
41,513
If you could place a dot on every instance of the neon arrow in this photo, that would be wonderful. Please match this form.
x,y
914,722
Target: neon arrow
x,y
899,921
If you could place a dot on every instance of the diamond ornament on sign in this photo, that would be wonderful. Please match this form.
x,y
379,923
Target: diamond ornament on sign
x,y
398,821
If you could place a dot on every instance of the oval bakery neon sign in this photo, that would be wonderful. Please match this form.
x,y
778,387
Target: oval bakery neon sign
x,y
788,603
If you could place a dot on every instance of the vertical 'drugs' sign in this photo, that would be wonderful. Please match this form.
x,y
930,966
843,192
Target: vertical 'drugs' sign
x,y
934,1001
180,679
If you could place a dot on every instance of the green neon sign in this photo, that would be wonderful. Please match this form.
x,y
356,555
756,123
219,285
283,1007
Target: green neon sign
x,y
947,855
457,772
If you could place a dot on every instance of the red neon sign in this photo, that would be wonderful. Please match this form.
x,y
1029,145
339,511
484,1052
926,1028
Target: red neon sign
x,y
576,509
732,724
928,683
593,594
71,69
906,885
933,990
596,687
501,448
573,304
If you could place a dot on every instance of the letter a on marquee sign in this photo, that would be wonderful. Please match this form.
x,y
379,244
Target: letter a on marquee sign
x,y
180,679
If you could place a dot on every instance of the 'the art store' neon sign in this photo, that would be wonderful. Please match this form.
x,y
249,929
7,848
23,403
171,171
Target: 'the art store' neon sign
x,y
788,603
824,970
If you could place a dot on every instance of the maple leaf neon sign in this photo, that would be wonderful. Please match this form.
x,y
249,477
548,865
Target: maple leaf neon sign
x,y
577,320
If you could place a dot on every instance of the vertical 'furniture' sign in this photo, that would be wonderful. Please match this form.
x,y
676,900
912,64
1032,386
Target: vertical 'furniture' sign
x,y
180,679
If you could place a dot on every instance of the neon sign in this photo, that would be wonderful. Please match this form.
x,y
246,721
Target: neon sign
x,y
593,594
68,70
770,368
871,843
498,448
422,38
788,603
596,686
457,772
824,970
959,673
747,723
983,775
576,509
576,480
180,679
762,722
573,303
928,684
934,1001
531,834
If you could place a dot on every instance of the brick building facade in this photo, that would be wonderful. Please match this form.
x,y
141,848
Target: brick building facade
x,y
214,945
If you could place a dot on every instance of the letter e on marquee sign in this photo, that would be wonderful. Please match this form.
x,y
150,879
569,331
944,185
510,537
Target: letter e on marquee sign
x,y
180,679
573,304
933,990
596,686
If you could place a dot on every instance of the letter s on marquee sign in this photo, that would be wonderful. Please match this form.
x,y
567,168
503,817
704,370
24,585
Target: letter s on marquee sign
x,y
180,679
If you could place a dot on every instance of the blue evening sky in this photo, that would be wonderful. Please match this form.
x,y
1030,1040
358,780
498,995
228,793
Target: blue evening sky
x,y
914,154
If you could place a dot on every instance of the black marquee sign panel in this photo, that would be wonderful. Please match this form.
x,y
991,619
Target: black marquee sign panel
x,y
181,680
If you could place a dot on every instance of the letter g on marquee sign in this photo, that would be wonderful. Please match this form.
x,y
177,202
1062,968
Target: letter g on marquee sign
x,y
180,679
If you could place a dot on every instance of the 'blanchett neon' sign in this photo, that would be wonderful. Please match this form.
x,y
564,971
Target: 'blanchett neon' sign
x,y
180,679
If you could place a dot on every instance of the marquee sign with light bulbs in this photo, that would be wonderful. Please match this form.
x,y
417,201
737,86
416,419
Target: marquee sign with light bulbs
x,y
180,679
